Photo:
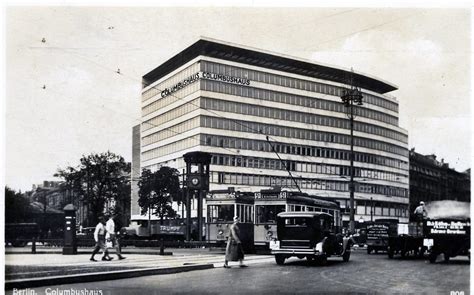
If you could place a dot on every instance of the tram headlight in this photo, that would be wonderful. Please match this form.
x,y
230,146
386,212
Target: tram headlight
x,y
220,232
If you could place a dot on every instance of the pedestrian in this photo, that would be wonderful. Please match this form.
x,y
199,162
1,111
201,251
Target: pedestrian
x,y
111,236
234,251
99,237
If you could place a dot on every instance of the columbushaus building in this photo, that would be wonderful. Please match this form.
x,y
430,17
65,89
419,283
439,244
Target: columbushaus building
x,y
261,113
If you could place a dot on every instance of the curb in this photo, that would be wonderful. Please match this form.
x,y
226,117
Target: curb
x,y
100,276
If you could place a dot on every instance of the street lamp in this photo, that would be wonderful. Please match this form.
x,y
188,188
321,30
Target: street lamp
x,y
349,98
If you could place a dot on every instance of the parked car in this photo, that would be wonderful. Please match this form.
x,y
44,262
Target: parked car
x,y
311,235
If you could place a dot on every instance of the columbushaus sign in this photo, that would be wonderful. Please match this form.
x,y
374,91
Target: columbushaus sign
x,y
204,75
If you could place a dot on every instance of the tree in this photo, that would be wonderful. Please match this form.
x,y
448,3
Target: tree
x,y
17,207
157,190
100,180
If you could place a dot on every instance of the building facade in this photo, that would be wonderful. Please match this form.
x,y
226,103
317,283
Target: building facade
x,y
433,180
270,120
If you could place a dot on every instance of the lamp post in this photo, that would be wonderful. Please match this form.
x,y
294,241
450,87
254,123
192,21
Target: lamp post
x,y
350,97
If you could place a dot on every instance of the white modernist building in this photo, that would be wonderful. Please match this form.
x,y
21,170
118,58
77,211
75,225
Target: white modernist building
x,y
264,116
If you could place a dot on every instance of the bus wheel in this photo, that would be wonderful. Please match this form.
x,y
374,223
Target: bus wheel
x,y
280,259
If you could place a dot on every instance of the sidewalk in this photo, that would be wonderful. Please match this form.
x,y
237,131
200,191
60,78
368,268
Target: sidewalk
x,y
26,270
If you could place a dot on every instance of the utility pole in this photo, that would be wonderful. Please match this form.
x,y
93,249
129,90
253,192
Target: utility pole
x,y
350,97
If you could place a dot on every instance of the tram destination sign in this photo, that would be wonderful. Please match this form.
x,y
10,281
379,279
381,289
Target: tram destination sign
x,y
204,75
273,195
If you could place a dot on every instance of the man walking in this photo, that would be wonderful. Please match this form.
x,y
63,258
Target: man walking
x,y
111,235
99,237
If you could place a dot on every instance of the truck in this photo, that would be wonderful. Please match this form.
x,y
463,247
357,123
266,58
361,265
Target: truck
x,y
378,233
407,239
448,236
434,236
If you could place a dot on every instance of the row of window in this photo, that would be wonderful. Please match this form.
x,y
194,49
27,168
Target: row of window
x,y
171,131
178,77
281,114
307,102
167,100
310,167
304,183
381,209
424,170
170,115
283,131
274,79
260,145
171,148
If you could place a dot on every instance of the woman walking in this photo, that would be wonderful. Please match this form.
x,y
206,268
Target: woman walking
x,y
234,251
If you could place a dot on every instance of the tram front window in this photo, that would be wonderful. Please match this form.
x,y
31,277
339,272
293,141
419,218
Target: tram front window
x,y
268,214
220,213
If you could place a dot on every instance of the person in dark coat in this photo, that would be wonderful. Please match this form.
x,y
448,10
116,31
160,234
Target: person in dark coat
x,y
234,251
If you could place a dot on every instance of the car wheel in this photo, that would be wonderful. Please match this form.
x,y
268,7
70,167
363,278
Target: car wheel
x,y
279,259
322,260
346,256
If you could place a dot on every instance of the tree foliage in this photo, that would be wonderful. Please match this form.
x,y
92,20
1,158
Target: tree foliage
x,y
157,191
17,207
99,179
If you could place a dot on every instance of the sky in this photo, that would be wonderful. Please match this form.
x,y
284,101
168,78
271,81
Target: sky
x,y
64,97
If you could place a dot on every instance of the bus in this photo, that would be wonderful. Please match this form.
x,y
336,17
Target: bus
x,y
268,203
222,206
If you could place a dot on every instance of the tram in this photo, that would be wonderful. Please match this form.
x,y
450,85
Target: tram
x,y
268,203
222,206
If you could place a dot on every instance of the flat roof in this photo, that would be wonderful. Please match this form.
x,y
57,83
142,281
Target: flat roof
x,y
266,59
